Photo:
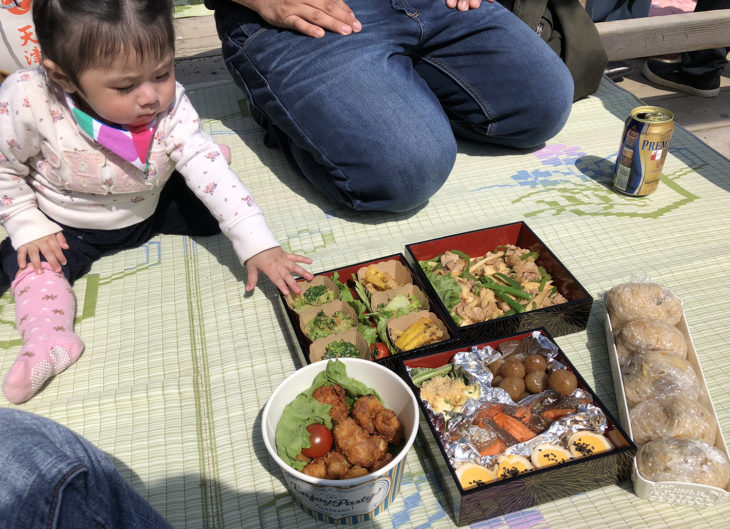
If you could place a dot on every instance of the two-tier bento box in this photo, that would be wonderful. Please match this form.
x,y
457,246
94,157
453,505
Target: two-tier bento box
x,y
458,289
510,448
498,281
372,310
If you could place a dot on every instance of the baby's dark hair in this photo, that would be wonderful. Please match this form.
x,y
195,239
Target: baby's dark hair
x,y
79,34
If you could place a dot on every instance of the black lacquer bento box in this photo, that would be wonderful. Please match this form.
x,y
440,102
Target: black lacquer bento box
x,y
560,319
345,287
481,501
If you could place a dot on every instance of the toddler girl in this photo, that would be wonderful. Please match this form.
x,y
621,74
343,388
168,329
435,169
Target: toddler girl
x,y
100,150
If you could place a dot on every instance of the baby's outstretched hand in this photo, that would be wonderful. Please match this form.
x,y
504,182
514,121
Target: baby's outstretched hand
x,y
51,247
279,266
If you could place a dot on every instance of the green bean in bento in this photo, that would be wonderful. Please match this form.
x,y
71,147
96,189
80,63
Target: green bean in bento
x,y
516,306
508,280
545,277
517,292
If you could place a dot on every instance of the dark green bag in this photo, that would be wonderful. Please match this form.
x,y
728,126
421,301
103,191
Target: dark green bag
x,y
569,31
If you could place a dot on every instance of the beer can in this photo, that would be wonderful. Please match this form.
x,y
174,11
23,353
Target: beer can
x,y
643,149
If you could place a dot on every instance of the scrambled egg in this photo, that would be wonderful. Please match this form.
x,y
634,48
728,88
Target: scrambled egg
x,y
447,395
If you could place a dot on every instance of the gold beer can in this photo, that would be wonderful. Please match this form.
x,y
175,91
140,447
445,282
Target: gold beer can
x,y
643,149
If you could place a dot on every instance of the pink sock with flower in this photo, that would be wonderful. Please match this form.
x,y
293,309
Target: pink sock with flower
x,y
44,312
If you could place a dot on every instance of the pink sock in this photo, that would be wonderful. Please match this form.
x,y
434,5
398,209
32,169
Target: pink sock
x,y
44,312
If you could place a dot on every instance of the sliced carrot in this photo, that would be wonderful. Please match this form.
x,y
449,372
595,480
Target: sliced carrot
x,y
523,413
483,414
495,446
514,427
557,413
488,412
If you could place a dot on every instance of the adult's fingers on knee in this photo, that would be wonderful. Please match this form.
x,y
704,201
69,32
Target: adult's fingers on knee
x,y
332,15
305,28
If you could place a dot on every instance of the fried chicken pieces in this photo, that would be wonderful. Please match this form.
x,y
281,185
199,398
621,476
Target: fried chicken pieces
x,y
361,436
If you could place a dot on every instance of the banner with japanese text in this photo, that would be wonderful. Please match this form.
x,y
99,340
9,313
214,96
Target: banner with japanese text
x,y
18,43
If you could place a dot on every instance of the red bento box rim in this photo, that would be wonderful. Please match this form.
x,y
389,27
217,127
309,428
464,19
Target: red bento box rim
x,y
519,226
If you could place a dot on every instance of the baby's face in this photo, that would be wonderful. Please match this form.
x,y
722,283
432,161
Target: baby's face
x,y
129,91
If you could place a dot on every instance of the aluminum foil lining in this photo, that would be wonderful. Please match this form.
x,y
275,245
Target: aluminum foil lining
x,y
472,364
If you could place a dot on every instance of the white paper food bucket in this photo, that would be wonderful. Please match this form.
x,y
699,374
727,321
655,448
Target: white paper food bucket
x,y
345,501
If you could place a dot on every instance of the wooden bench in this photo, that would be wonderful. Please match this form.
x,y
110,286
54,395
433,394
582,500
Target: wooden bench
x,y
662,35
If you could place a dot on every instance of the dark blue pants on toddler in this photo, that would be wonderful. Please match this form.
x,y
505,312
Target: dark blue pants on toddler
x,y
179,212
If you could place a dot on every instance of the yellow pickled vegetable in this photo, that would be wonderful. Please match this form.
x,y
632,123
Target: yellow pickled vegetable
x,y
422,332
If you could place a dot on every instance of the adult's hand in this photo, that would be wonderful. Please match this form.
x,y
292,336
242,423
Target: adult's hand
x,y
464,5
309,17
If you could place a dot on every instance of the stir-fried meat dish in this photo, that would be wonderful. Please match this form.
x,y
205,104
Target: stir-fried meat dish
x,y
502,282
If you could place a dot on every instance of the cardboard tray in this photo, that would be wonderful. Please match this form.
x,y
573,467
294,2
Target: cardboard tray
x,y
538,486
398,266
693,494
558,320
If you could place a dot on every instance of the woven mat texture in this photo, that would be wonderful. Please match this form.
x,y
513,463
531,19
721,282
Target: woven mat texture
x,y
179,362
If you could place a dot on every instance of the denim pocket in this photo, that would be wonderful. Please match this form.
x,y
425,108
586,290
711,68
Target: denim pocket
x,y
246,33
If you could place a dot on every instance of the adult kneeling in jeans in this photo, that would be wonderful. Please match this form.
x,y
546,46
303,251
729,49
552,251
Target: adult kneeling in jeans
x,y
51,477
366,98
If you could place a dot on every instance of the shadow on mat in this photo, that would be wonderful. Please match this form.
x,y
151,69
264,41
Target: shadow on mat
x,y
189,500
693,152
211,503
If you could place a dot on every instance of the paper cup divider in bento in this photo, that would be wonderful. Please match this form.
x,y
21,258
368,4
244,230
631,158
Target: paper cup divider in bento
x,y
398,325
480,241
345,277
398,271
614,432
386,296
329,309
679,492
389,385
318,280
319,346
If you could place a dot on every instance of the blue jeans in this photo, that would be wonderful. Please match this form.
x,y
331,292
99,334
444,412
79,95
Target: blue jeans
x,y
370,118
51,478
706,64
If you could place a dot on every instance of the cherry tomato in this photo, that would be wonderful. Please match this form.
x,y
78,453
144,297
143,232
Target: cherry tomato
x,y
380,350
320,441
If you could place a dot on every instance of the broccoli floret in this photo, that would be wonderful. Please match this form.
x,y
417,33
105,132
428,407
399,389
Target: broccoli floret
x,y
312,297
340,349
322,325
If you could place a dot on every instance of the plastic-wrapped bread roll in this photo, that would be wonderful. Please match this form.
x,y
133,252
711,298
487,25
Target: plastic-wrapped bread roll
x,y
651,374
672,417
649,335
686,460
633,301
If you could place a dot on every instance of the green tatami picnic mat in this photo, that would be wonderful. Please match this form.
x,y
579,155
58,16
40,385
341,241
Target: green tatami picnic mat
x,y
179,361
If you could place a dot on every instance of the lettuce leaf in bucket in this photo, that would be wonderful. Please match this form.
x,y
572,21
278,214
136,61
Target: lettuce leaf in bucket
x,y
291,431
